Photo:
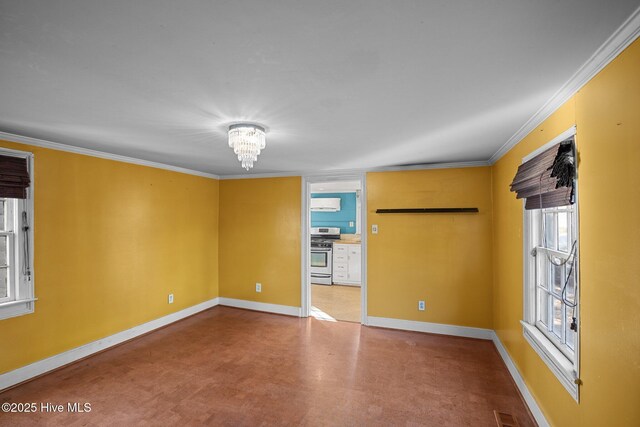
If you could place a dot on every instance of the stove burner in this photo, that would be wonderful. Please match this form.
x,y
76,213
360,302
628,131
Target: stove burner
x,y
321,243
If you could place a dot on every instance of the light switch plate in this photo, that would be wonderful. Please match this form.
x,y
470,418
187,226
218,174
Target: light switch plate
x,y
374,229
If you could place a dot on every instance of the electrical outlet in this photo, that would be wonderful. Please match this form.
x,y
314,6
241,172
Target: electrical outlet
x,y
170,298
351,224
258,287
374,229
421,305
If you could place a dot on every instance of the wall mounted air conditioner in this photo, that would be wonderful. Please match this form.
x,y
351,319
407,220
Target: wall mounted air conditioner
x,y
325,205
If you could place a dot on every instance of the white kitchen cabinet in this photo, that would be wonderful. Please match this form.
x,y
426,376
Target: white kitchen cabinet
x,y
355,263
347,263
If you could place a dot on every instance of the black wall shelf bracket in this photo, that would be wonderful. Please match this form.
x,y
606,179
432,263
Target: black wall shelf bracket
x,y
429,210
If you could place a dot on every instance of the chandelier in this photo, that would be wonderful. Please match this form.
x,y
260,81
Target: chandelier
x,y
247,140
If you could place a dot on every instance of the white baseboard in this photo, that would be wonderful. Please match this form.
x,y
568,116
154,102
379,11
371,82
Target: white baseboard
x,y
40,367
433,328
35,369
261,306
469,332
515,374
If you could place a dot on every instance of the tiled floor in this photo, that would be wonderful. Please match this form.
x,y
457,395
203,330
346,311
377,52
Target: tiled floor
x,y
233,367
336,302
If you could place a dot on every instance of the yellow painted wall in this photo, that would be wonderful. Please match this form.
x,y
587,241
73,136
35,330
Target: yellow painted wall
x,y
607,114
260,239
112,240
444,259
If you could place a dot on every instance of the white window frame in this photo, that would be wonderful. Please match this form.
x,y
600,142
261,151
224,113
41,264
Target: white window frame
x,y
565,369
22,298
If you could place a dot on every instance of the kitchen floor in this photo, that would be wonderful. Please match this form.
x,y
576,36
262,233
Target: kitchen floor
x,y
336,302
227,366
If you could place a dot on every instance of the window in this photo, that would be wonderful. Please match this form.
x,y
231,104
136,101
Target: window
x,y
555,284
551,264
16,241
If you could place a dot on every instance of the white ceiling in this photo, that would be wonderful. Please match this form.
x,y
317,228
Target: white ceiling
x,y
338,84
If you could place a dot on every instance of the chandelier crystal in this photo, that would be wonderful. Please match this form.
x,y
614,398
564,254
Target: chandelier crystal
x,y
247,140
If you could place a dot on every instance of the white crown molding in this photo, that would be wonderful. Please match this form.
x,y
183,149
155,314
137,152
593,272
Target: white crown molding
x,y
609,50
612,47
10,137
616,43
425,166
432,328
59,360
429,166
522,386
260,306
104,155
261,175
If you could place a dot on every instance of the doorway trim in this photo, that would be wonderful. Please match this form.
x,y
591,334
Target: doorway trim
x,y
307,180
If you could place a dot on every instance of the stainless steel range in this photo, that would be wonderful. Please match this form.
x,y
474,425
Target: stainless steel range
x,y
322,254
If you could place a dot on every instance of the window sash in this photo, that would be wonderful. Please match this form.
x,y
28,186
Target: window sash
x,y
545,269
9,291
12,275
20,287
564,363
559,342
21,294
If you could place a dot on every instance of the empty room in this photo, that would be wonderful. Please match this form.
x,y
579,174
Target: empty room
x,y
356,213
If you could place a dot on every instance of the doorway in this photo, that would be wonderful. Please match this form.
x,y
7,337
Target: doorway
x,y
334,247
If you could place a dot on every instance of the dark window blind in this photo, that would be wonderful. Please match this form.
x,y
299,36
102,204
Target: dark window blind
x,y
547,180
14,177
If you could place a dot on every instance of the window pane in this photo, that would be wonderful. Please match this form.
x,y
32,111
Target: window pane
x,y
550,230
557,317
570,292
3,251
556,278
3,207
563,231
571,335
4,285
542,274
543,307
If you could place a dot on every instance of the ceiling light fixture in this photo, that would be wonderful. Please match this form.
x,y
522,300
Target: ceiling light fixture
x,y
247,140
